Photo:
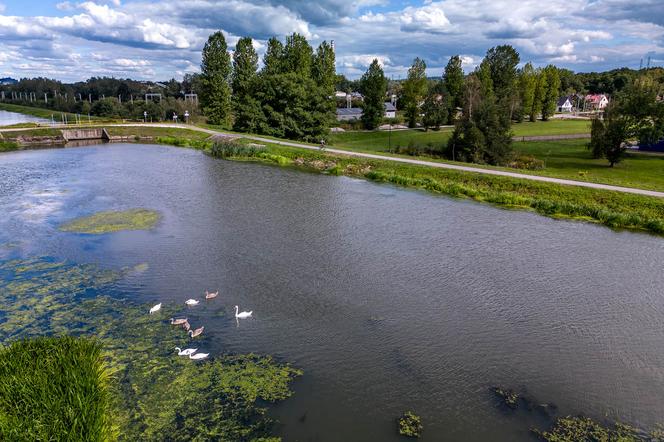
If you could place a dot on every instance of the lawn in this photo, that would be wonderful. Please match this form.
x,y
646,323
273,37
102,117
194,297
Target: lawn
x,y
571,159
551,127
381,141
148,131
42,113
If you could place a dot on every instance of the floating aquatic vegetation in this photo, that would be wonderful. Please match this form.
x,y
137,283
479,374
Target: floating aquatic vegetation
x,y
509,397
410,425
155,392
583,429
113,221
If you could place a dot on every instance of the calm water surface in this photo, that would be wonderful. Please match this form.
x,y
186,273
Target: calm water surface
x,y
9,118
388,299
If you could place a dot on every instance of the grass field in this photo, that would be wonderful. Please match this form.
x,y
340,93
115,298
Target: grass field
x,y
571,159
41,113
155,132
54,389
551,127
380,141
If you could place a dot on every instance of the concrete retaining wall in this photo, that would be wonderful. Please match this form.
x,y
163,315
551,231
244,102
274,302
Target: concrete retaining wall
x,y
85,134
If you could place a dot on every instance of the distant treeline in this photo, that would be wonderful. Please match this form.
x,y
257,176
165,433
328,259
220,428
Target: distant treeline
x,y
106,97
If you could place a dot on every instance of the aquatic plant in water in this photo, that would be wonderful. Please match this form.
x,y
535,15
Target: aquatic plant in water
x,y
410,425
113,221
509,397
154,392
583,429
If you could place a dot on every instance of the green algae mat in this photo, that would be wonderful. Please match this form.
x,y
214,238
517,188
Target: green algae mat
x,y
113,221
153,393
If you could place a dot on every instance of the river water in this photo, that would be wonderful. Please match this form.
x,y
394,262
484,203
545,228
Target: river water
x,y
9,118
388,299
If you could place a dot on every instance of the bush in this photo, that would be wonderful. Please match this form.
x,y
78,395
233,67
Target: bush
x,y
54,389
527,162
224,148
6,146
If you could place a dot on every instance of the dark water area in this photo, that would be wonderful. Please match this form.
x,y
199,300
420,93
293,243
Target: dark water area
x,y
8,118
388,299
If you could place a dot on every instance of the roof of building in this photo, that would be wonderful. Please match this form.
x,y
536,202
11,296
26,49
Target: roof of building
x,y
349,111
563,100
389,107
595,98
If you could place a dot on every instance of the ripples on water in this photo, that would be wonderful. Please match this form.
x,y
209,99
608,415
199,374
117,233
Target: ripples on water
x,y
388,299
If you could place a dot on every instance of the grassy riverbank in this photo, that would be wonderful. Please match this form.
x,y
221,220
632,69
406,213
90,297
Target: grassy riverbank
x,y
54,389
41,113
613,209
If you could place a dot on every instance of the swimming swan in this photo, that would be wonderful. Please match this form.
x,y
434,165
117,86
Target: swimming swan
x,y
191,302
156,308
242,314
197,332
179,321
186,351
199,356
209,295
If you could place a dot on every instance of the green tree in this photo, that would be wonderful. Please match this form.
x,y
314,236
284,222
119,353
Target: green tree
x,y
324,74
551,91
538,95
453,82
246,110
215,95
298,55
527,84
608,135
434,109
273,60
414,90
502,62
373,85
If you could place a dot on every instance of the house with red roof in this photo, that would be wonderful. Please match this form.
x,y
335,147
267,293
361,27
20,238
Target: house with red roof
x,y
595,102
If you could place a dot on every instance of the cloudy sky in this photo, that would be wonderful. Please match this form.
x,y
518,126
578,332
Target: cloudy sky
x,y
72,40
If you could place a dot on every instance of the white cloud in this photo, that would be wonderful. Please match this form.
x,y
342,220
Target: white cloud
x,y
428,18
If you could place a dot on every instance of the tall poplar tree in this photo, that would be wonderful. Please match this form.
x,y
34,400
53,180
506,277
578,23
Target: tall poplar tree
x,y
246,109
527,83
550,92
373,85
215,75
414,91
453,82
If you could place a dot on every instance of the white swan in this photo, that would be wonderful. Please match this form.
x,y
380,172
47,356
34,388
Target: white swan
x,y
179,321
186,351
210,295
191,302
197,332
155,308
242,315
199,356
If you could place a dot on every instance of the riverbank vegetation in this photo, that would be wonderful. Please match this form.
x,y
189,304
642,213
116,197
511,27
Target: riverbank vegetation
x,y
113,221
55,389
153,391
613,209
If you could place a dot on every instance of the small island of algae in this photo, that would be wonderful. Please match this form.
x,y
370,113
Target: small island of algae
x,y
113,221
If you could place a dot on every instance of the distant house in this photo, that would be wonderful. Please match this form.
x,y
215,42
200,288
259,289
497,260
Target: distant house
x,y
354,113
564,104
595,102
349,113
390,110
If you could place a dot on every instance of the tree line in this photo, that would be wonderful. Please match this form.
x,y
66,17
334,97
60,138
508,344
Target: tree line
x,y
291,96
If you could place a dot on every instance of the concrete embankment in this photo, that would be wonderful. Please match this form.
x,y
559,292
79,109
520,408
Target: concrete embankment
x,y
85,134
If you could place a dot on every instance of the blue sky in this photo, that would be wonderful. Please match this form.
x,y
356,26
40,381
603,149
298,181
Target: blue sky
x,y
73,40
